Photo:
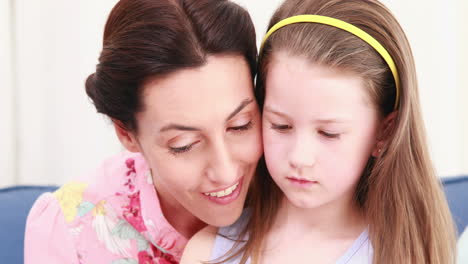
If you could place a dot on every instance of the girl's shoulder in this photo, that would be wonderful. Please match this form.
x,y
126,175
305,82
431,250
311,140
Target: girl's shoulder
x,y
463,247
231,239
212,243
200,246
233,231
360,252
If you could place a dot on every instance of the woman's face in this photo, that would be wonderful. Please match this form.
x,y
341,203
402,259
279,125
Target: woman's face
x,y
200,131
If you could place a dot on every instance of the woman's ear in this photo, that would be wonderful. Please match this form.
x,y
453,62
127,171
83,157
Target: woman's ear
x,y
126,137
384,133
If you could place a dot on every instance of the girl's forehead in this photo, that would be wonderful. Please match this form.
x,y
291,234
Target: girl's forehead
x,y
315,91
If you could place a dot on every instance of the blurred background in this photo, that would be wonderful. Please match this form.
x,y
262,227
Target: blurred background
x,y
50,133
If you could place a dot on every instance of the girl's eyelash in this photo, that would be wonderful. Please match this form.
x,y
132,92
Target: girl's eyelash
x,y
330,135
280,127
241,128
285,128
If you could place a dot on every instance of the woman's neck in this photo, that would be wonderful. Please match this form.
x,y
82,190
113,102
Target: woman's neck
x,y
180,218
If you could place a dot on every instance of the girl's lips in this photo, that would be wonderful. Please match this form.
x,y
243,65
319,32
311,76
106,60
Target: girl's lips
x,y
228,198
301,182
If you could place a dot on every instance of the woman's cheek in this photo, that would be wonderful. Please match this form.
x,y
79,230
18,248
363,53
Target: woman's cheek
x,y
256,143
248,147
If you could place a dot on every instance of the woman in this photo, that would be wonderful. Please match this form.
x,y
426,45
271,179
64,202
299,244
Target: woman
x,y
176,79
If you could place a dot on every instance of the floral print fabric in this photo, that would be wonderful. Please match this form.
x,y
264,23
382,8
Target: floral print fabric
x,y
112,217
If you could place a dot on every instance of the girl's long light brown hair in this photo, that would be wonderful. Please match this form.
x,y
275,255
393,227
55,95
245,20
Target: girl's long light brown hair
x,y
399,192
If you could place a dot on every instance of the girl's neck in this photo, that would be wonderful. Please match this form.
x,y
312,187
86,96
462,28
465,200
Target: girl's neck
x,y
330,228
341,218
180,218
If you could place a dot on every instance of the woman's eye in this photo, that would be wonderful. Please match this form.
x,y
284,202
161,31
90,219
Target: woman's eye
x,y
281,127
329,135
180,150
241,128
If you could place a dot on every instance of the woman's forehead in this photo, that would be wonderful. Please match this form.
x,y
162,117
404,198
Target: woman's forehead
x,y
208,92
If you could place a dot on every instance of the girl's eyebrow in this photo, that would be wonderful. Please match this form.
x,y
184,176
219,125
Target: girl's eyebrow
x,y
271,110
331,121
320,121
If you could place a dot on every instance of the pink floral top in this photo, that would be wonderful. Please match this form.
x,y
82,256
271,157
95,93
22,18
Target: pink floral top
x,y
112,217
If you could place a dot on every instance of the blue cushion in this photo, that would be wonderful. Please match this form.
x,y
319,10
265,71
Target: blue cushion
x,y
456,190
15,203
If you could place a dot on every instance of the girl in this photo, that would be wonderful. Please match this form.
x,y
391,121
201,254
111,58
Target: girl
x,y
351,178
176,79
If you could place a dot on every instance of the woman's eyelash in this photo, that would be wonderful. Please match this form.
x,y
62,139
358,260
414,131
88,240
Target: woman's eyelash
x,y
241,128
187,148
183,149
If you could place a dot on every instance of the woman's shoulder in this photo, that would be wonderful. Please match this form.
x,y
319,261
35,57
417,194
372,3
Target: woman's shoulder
x,y
108,186
47,231
112,212
45,208
120,173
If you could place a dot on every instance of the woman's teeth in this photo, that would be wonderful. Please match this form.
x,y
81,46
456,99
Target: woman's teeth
x,y
224,192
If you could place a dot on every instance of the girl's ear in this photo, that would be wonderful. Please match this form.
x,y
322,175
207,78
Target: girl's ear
x,y
126,137
384,133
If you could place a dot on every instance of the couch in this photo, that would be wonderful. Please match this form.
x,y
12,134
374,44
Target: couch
x,y
15,203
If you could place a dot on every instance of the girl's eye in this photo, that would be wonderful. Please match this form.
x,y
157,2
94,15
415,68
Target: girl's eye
x,y
281,128
241,128
183,149
330,135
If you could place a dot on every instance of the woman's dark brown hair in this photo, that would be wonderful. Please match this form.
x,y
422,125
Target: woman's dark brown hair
x,y
146,39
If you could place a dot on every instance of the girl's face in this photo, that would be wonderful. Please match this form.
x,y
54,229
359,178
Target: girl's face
x,y
200,132
319,130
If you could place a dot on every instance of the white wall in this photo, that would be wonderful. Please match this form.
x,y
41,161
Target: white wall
x,y
60,135
462,71
56,44
7,99
436,37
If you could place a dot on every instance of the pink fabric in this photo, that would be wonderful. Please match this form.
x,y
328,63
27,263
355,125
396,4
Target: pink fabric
x,y
113,217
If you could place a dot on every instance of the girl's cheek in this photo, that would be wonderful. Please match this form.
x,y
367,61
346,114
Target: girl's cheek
x,y
275,151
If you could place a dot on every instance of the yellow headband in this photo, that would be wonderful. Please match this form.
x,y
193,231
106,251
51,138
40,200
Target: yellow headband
x,y
347,27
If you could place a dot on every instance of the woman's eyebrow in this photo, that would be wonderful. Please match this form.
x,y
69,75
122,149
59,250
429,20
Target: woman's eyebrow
x,y
178,127
241,106
173,126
